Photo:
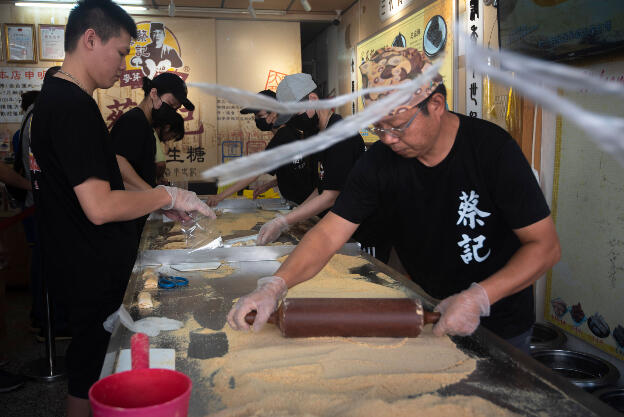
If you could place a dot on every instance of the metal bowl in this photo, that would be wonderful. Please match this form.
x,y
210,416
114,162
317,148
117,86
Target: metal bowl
x,y
582,369
547,336
613,396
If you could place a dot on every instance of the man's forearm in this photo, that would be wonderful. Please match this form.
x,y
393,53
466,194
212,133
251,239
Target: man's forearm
x,y
236,187
312,206
129,205
269,184
316,249
264,187
10,177
103,205
526,266
312,195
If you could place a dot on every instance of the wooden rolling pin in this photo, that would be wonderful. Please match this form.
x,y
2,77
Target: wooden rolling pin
x,y
350,317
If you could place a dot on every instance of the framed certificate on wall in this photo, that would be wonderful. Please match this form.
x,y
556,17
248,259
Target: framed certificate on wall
x,y
51,42
19,41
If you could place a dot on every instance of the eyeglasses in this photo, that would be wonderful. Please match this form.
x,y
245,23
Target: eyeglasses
x,y
393,131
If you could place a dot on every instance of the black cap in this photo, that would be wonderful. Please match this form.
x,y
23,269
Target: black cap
x,y
168,82
248,110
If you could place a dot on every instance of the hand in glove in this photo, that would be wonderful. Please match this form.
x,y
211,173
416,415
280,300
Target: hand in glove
x,y
213,200
182,200
262,188
461,313
176,216
264,300
269,232
271,118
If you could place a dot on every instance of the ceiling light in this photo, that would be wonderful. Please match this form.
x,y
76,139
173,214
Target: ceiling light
x,y
133,8
62,5
129,2
50,5
218,10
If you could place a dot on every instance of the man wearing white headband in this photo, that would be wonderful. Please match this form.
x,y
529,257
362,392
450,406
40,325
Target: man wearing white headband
x,y
467,217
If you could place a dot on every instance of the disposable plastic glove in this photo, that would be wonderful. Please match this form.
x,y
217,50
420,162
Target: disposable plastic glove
x,y
213,200
183,200
461,313
264,300
269,232
262,188
176,216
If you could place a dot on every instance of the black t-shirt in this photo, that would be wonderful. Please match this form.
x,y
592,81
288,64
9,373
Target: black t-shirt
x,y
452,224
70,143
163,53
133,138
296,179
335,162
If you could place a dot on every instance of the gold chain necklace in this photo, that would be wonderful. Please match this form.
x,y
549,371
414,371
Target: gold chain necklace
x,y
73,79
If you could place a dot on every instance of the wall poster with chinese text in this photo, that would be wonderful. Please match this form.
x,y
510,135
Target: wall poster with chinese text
x,y
584,291
165,45
237,134
13,82
430,30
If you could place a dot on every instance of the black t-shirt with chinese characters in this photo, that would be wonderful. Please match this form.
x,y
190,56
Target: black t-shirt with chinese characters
x,y
452,224
133,138
335,162
89,264
296,179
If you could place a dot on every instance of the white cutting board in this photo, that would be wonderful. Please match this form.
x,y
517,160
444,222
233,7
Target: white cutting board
x,y
158,358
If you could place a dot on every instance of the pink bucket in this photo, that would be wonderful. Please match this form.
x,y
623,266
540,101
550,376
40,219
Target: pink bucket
x,y
141,393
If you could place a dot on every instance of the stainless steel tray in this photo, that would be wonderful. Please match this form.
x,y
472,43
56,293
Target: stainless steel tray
x,y
242,205
244,253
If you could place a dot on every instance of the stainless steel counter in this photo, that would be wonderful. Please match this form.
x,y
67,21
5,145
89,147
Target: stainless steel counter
x,y
503,375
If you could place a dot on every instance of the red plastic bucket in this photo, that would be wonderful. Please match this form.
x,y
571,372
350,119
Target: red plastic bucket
x,y
141,393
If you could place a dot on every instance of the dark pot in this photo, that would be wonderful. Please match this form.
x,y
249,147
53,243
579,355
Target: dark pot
x,y
582,369
613,396
547,336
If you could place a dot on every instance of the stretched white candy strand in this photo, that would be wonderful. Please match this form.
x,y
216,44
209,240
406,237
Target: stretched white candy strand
x,y
540,86
553,74
261,162
259,101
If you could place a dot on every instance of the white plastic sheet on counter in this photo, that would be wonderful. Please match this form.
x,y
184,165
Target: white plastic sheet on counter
x,y
151,326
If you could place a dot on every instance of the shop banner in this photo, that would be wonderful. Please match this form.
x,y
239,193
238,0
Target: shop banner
x,y
389,8
474,84
162,46
14,81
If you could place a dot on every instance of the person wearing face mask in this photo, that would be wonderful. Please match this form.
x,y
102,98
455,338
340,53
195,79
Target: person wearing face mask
x,y
332,166
166,131
133,135
296,179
